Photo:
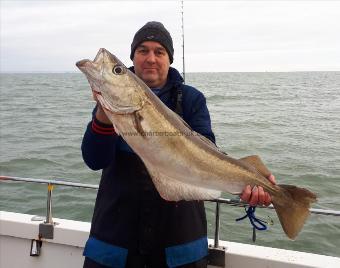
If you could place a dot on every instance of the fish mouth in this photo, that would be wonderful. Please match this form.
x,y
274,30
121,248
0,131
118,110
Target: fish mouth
x,y
81,64
91,72
98,59
85,66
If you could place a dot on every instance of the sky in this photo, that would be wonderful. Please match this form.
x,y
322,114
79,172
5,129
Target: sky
x,y
220,36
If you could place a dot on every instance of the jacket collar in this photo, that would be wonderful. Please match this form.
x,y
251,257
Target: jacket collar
x,y
174,79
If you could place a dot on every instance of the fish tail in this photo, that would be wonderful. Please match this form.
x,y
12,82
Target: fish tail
x,y
293,208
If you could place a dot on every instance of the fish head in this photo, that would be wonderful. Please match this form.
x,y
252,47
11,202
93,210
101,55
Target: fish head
x,y
113,84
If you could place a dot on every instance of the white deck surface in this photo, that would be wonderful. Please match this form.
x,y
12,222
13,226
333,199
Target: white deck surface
x,y
65,250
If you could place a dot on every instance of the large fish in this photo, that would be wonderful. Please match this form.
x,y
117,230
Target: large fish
x,y
182,164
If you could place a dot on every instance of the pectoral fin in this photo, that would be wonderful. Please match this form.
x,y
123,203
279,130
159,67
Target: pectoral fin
x,y
138,123
256,162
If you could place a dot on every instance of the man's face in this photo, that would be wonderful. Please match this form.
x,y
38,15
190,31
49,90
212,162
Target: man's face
x,y
151,62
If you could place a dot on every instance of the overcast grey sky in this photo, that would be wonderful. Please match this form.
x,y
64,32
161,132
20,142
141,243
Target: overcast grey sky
x,y
219,35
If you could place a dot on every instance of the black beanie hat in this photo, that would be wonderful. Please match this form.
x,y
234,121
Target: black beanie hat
x,y
153,31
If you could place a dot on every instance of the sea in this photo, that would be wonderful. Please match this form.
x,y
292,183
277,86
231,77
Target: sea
x,y
290,119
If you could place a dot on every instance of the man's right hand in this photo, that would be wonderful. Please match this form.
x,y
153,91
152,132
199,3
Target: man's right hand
x,y
100,114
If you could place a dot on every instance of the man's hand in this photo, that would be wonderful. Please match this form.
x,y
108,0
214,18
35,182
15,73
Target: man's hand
x,y
257,196
100,114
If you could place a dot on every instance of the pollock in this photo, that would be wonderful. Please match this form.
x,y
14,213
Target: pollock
x,y
182,164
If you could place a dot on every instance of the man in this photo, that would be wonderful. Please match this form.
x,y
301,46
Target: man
x,y
132,225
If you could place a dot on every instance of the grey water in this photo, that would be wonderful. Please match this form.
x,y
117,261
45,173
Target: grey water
x,y
292,120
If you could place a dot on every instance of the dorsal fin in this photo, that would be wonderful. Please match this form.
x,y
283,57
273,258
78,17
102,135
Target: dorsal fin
x,y
256,162
194,133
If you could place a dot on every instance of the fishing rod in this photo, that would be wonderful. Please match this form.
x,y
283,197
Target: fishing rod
x,y
183,61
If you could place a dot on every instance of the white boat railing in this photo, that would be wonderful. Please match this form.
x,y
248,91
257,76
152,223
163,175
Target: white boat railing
x,y
46,228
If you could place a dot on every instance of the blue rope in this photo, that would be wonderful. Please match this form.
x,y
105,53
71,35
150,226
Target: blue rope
x,y
255,222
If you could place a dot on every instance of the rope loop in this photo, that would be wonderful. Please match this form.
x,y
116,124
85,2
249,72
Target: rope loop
x,y
257,223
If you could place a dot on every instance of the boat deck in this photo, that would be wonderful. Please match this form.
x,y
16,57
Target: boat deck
x,y
17,231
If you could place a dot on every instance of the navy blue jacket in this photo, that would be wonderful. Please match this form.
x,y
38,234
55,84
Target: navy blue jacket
x,y
130,217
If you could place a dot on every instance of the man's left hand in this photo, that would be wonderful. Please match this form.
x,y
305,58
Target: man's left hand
x,y
257,196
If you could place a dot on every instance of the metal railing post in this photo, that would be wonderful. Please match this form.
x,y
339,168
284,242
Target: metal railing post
x,y
216,255
49,204
217,225
46,229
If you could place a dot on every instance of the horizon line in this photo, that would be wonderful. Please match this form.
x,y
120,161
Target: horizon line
x,y
78,72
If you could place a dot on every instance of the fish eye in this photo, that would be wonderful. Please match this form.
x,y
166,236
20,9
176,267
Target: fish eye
x,y
118,69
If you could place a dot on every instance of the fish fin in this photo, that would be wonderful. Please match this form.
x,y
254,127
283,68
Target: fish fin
x,y
295,210
137,123
256,162
194,133
207,141
173,190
